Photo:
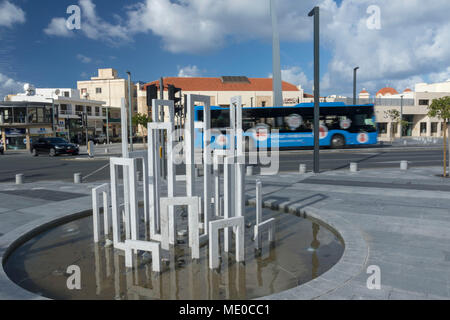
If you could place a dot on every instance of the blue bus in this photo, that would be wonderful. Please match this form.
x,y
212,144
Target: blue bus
x,y
340,125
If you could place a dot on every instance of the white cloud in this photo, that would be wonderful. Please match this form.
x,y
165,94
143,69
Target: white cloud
x,y
295,76
189,71
194,26
92,26
412,44
203,25
441,76
9,86
83,58
10,14
57,27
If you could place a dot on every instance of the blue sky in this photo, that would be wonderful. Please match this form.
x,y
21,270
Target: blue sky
x,y
154,38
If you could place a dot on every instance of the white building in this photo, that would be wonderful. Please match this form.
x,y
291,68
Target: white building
x,y
66,107
414,107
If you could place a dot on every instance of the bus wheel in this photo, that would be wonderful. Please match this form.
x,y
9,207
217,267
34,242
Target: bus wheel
x,y
337,142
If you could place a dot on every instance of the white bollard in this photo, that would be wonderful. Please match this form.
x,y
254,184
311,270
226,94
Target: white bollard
x,y
249,171
404,165
353,167
302,169
19,179
77,178
106,150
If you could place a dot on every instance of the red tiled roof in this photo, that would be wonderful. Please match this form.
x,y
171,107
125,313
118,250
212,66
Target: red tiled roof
x,y
387,90
408,90
216,84
364,91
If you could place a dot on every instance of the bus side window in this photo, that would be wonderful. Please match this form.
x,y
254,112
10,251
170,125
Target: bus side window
x,y
200,115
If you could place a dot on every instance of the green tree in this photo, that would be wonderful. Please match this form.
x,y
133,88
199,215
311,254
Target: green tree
x,y
140,119
395,117
440,108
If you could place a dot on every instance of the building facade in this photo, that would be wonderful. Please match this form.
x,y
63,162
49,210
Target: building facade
x,y
413,105
48,112
415,112
109,87
255,92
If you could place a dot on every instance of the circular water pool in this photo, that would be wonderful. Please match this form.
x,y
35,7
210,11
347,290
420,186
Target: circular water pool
x,y
303,250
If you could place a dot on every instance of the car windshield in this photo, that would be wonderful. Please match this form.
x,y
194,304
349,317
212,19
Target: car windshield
x,y
57,140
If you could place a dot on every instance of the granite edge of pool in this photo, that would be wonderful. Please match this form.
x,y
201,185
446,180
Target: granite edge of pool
x,y
348,267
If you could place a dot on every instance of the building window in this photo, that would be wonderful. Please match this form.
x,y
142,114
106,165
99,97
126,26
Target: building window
x,y
434,126
66,94
98,90
63,109
423,127
423,102
89,111
382,127
79,110
263,104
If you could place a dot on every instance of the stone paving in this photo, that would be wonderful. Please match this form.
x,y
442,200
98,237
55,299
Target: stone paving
x,y
403,231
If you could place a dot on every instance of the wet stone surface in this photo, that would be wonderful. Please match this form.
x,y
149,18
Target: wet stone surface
x,y
303,250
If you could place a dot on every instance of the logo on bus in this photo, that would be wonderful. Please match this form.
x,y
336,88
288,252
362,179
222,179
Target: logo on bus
x,y
261,132
363,137
323,132
221,140
345,124
294,121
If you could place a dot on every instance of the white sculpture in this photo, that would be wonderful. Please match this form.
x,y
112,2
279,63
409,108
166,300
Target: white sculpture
x,y
132,222
261,226
149,246
214,227
159,213
102,190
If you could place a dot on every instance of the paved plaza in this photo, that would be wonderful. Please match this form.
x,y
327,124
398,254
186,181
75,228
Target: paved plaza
x,y
392,219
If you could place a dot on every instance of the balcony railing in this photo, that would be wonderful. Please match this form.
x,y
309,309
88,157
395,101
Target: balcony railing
x,y
19,121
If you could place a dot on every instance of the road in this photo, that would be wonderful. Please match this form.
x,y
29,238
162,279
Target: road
x,y
63,167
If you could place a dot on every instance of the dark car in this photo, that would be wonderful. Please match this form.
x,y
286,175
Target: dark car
x,y
53,147
2,149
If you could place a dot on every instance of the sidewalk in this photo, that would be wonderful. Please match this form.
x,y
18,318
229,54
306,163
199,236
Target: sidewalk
x,y
405,231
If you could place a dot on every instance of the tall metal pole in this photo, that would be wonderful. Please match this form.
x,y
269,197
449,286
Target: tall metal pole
x,y
86,128
354,85
315,12
107,125
277,86
161,136
130,111
53,117
401,116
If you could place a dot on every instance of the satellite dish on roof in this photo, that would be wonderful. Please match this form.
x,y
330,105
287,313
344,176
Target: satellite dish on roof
x,y
29,89
57,92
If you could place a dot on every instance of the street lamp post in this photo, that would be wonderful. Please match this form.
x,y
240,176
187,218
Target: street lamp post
x,y
107,125
401,116
130,113
315,12
354,85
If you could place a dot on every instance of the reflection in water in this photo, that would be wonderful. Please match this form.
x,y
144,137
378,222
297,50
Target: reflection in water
x,y
286,264
315,244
